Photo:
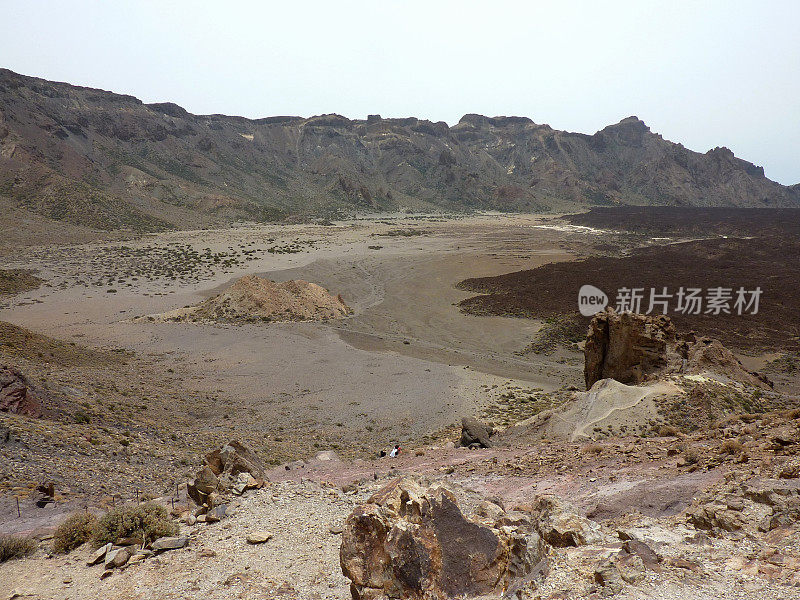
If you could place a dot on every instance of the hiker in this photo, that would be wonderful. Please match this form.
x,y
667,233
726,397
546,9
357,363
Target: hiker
x,y
395,452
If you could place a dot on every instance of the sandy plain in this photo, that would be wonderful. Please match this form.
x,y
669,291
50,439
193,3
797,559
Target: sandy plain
x,y
406,364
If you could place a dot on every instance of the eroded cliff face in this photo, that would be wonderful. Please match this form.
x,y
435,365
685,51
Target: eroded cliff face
x,y
106,160
633,348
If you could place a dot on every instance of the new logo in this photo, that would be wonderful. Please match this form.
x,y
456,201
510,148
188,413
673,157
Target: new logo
x,y
591,300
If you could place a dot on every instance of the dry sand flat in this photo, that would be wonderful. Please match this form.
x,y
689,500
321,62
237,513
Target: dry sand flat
x,y
295,376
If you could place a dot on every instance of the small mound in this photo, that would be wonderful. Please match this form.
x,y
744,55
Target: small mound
x,y
255,299
17,281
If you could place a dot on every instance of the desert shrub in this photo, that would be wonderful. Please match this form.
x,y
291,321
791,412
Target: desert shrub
x,y
691,456
12,546
148,521
793,413
592,449
750,417
82,417
726,421
76,530
731,447
667,431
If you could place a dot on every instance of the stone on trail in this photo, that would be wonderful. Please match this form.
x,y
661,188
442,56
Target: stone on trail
x,y
258,537
99,554
117,558
169,543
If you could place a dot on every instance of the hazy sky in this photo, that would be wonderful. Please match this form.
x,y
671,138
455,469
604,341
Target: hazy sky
x,y
703,73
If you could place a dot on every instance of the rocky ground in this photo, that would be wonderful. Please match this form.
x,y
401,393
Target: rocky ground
x,y
719,526
687,491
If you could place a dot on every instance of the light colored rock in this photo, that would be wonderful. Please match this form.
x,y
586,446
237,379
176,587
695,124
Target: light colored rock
x,y
328,455
169,543
117,558
560,525
99,554
258,537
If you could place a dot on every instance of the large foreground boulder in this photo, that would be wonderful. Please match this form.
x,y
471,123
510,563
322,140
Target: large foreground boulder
x,y
413,542
633,348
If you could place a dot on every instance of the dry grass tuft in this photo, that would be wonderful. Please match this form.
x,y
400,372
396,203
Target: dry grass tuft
x,y
79,528
592,449
667,431
12,546
148,521
731,447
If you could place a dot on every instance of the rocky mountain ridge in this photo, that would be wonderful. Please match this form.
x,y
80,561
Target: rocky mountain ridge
x,y
109,161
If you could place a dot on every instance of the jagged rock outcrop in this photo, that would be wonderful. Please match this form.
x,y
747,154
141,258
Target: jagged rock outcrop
x,y
633,348
627,347
92,157
560,525
233,467
409,541
17,394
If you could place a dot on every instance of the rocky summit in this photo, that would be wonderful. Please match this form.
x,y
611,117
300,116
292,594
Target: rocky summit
x,y
104,160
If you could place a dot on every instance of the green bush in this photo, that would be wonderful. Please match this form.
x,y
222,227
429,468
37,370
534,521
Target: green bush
x,y
15,547
148,521
79,528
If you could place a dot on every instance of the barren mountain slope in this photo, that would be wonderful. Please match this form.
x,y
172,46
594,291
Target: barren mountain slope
x,y
109,161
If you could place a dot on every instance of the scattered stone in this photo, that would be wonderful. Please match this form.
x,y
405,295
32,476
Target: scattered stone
x,y
682,563
630,566
232,459
561,526
129,541
650,557
608,576
216,514
205,483
715,516
169,543
99,554
244,482
258,537
117,558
